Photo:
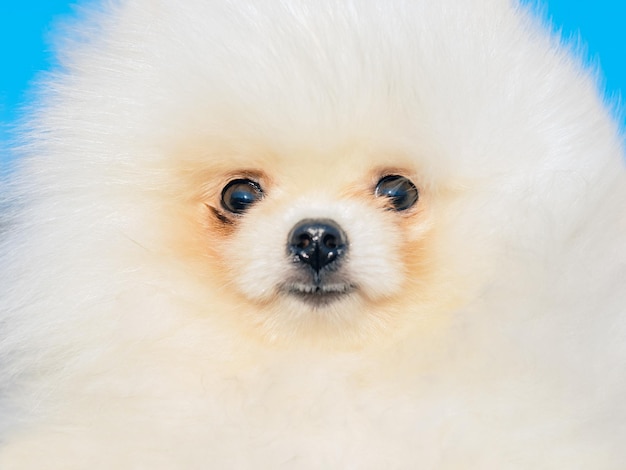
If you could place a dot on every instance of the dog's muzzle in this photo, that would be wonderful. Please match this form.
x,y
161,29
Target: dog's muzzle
x,y
317,248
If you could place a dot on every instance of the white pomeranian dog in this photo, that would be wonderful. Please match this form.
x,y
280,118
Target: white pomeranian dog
x,y
315,234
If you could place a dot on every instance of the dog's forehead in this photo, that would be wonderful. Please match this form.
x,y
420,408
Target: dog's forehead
x,y
300,167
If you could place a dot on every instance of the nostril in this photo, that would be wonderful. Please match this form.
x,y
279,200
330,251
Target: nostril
x,y
304,241
330,241
317,242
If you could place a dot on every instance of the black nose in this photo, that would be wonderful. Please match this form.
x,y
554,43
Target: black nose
x,y
317,242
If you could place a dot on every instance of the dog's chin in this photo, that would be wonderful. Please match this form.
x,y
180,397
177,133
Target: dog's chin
x,y
318,295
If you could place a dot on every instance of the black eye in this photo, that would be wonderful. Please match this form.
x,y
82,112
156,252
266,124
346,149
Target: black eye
x,y
401,191
238,195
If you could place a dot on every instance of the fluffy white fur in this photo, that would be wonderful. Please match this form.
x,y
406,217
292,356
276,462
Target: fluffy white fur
x,y
488,330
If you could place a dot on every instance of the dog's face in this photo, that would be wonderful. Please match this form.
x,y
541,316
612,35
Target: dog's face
x,y
318,246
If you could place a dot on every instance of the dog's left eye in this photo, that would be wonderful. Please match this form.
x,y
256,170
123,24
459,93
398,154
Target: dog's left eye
x,y
238,195
401,191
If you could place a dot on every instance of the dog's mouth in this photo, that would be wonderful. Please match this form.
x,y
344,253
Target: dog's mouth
x,y
318,294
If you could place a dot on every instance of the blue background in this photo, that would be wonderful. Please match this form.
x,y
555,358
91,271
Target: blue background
x,y
26,28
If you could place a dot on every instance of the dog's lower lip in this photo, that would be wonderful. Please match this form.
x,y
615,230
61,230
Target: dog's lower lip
x,y
319,294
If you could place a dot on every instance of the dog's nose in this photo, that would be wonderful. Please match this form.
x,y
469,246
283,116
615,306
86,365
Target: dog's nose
x,y
317,242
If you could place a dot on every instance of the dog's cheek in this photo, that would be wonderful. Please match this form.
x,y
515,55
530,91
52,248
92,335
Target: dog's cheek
x,y
254,256
375,262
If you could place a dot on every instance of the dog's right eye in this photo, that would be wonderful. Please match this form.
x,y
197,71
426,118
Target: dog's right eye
x,y
238,195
